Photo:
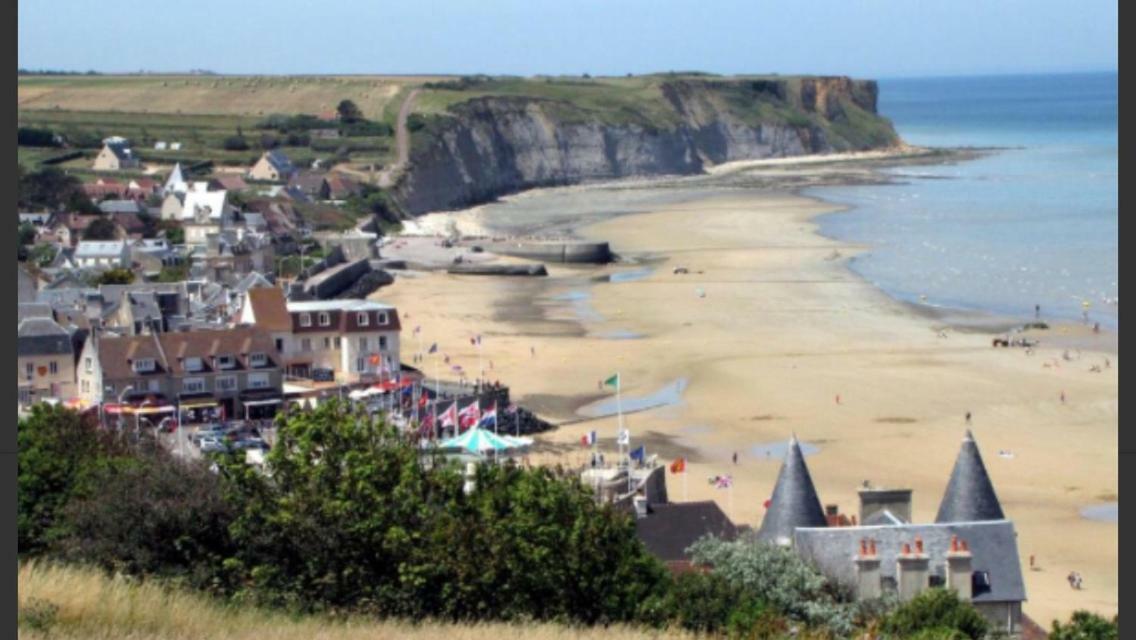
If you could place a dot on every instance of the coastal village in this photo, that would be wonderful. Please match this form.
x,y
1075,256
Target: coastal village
x,y
205,304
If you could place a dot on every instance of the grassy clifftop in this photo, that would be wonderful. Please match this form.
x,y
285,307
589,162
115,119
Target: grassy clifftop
x,y
67,602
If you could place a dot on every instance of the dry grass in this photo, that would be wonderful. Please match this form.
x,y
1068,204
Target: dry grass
x,y
87,604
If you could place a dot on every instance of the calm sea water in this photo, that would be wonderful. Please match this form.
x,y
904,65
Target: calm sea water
x,y
1034,224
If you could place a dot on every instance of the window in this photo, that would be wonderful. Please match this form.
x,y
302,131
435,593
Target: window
x,y
258,381
382,317
305,319
382,343
226,362
338,342
144,365
306,344
85,386
193,385
362,343
155,385
259,359
360,364
89,365
279,346
363,318
226,383
326,343
193,364
53,367
29,368
325,319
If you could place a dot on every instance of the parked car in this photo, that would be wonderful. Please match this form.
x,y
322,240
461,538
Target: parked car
x,y
213,445
215,432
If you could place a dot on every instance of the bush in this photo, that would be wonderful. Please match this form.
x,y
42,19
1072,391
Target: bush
x,y
1084,625
29,137
235,143
703,603
114,276
936,611
366,128
101,228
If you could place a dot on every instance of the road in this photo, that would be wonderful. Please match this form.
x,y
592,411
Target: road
x,y
402,142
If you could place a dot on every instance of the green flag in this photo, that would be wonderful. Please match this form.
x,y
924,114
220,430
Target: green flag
x,y
612,381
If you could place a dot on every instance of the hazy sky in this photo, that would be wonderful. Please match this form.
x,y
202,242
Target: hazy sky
x,y
601,37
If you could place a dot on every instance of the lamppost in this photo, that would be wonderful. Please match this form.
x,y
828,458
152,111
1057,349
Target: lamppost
x,y
121,397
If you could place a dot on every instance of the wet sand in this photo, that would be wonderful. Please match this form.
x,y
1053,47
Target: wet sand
x,y
766,330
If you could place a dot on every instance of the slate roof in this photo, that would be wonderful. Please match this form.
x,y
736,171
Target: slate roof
x,y
42,337
176,181
32,310
970,494
280,161
100,249
993,546
169,350
794,503
121,206
670,528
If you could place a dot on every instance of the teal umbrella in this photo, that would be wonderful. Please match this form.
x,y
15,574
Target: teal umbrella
x,y
478,440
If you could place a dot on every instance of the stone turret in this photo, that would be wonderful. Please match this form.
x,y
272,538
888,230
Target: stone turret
x,y
794,503
970,495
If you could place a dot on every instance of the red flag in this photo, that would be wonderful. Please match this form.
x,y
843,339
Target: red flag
x,y
584,440
678,466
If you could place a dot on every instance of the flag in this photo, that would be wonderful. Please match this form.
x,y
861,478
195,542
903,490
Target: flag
x,y
449,417
433,348
591,437
623,437
426,425
612,381
679,465
639,454
422,400
469,416
489,416
767,502
723,482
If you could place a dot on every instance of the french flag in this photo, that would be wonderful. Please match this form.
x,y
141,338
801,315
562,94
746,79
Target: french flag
x,y
489,416
589,439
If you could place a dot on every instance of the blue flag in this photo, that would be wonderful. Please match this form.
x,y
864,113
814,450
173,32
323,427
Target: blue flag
x,y
434,348
639,454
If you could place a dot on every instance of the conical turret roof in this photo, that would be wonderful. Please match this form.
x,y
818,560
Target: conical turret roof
x,y
970,495
794,502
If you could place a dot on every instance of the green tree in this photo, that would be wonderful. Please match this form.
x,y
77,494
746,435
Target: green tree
x,y
348,112
174,232
60,453
101,228
939,613
115,276
176,273
1084,625
26,234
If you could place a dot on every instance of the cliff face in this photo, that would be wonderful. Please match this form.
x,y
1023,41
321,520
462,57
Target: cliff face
x,y
495,145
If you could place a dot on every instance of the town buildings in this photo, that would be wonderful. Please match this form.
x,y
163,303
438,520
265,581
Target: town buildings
x,y
273,166
45,358
116,155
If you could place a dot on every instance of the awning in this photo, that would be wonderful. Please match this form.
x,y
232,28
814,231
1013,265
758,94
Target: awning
x,y
262,403
199,404
145,411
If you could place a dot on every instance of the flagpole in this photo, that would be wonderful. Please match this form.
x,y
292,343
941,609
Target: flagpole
x,y
684,497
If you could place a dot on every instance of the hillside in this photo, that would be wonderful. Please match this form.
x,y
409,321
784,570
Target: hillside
x,y
67,602
475,138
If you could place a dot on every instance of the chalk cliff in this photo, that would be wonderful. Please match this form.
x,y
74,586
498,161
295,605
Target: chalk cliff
x,y
493,145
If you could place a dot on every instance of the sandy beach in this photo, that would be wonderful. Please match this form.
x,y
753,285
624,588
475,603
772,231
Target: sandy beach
x,y
759,340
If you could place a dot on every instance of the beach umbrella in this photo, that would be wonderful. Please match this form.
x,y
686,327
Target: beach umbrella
x,y
477,440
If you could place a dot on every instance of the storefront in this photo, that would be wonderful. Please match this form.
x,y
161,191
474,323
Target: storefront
x,y
199,408
261,404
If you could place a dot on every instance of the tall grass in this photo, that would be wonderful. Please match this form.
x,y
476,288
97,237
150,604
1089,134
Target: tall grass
x,y
67,602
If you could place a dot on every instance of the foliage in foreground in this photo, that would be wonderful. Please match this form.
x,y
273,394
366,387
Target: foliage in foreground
x,y
937,613
1084,625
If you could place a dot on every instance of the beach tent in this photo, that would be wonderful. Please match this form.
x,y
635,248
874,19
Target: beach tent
x,y
478,440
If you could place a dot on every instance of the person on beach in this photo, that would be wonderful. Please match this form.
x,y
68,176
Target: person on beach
x,y
838,398
1062,396
1037,312
1071,579
968,417
532,351
735,457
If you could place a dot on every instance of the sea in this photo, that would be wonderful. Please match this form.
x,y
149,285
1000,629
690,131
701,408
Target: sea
x,y
1033,223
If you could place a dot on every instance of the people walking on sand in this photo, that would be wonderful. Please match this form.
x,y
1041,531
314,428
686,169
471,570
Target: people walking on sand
x,y
1037,312
1078,580
968,417
735,457
1032,568
1071,579
838,398
1107,364
1062,396
532,351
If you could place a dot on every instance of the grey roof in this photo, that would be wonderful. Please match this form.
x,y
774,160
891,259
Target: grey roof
x,y
794,502
40,337
120,206
993,546
26,286
251,280
884,517
33,310
280,161
970,494
670,528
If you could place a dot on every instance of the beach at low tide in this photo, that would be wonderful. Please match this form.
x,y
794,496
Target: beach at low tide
x,y
768,334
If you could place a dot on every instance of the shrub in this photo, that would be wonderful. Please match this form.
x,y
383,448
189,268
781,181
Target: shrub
x,y
348,112
936,611
700,602
1084,625
101,228
235,143
114,276
30,137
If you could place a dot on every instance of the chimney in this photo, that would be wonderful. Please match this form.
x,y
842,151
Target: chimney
x,y
867,571
960,569
911,571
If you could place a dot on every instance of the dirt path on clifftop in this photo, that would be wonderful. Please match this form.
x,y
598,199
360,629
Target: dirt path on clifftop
x,y
402,142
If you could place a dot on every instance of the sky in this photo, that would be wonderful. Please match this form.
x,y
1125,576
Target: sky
x,y
862,38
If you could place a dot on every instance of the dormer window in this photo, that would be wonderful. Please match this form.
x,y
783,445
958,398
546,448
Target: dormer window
x,y
305,319
226,362
363,318
144,365
383,317
193,364
258,360
325,319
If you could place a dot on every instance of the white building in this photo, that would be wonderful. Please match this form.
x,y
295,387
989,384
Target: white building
x,y
109,254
